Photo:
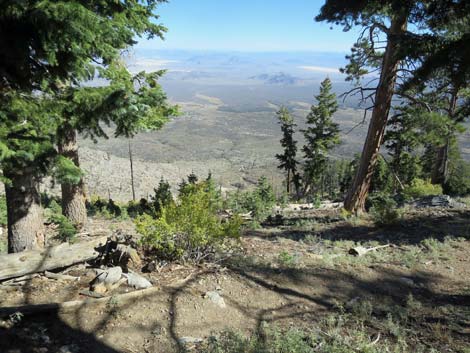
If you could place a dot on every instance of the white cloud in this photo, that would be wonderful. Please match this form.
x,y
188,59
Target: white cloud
x,y
320,69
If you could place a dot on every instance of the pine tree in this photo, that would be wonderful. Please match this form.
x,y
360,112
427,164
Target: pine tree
x,y
131,103
321,135
47,45
411,31
404,137
163,196
287,159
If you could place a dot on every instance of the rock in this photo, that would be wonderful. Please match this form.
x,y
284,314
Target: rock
x,y
407,281
100,288
45,339
109,276
444,201
350,304
215,297
129,252
189,340
70,348
150,267
137,281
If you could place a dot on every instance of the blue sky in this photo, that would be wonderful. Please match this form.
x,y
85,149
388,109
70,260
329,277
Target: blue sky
x,y
248,25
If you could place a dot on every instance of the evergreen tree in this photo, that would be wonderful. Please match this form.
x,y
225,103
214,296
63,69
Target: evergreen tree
x,y
163,196
131,103
46,46
287,159
403,138
192,178
412,32
321,135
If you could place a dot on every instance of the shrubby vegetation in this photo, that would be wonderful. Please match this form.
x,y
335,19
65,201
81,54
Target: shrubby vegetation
x,y
419,188
258,203
66,230
337,333
191,228
384,210
3,211
458,182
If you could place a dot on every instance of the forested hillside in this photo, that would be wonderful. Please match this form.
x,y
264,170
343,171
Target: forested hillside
x,y
241,190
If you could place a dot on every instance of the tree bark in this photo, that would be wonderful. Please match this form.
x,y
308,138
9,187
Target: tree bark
x,y
63,255
131,161
357,194
288,182
24,211
73,196
441,164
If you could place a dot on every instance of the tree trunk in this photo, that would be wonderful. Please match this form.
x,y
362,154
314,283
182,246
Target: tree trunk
x,y
73,195
441,164
24,211
50,258
131,161
288,182
357,194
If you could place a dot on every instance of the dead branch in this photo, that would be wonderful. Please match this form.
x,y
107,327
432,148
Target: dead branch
x,y
360,250
60,277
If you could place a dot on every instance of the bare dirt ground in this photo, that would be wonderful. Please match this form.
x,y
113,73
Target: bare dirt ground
x,y
292,273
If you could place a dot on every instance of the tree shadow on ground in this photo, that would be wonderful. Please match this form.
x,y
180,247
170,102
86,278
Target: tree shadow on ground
x,y
409,231
308,294
47,332
329,291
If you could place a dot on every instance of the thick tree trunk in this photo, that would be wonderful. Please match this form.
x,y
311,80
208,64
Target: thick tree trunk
x,y
356,197
24,211
73,196
440,167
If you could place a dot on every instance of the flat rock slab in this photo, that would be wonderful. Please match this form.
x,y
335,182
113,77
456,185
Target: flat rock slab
x,y
215,298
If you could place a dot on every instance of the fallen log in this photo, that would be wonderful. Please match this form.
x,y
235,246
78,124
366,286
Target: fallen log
x,y
50,258
70,306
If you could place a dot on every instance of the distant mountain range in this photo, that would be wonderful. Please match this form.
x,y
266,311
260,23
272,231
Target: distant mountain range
x,y
279,78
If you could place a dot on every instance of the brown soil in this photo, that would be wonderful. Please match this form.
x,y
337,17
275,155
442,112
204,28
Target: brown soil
x,y
260,285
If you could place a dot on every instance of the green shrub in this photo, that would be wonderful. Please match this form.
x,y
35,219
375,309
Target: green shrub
x,y
259,202
189,230
163,196
3,211
272,341
3,246
384,210
135,209
108,208
332,337
419,188
95,205
458,182
207,186
287,259
66,229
